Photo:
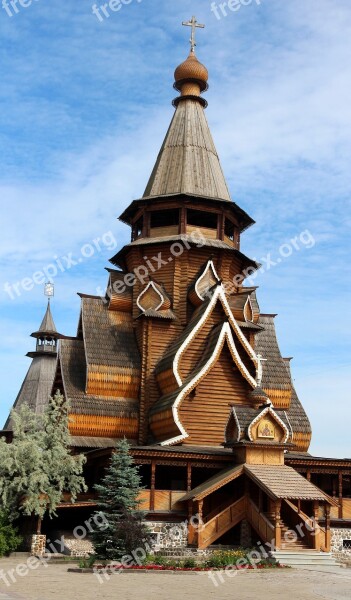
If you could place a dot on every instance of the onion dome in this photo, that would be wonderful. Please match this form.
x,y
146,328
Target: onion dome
x,y
191,76
191,68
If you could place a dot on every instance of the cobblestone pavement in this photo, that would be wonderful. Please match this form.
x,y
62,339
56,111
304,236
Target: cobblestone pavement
x,y
53,582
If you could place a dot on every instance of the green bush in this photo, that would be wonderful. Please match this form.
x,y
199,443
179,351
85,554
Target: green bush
x,y
223,558
87,562
9,538
160,560
189,563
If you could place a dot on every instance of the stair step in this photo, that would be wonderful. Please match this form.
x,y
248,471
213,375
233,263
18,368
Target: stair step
x,y
304,558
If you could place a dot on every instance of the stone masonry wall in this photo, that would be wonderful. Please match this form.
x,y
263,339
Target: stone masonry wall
x,y
337,546
168,535
38,543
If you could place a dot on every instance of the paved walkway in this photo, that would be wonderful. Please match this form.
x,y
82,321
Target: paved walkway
x,y
53,582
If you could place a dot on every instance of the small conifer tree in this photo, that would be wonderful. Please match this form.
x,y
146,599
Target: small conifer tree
x,y
123,529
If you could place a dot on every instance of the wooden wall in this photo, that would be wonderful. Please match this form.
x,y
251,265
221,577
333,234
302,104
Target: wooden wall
x,y
205,415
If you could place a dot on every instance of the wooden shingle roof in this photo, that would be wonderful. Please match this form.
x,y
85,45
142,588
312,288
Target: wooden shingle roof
x,y
47,324
283,482
188,161
73,370
297,416
109,336
214,483
36,387
244,415
275,374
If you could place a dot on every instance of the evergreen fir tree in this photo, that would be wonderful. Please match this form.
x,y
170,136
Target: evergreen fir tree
x,y
123,527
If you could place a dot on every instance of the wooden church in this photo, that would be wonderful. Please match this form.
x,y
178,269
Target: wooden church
x,y
178,358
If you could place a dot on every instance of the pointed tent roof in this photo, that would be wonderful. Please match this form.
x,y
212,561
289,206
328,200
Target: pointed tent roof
x,y
47,324
188,161
37,384
188,165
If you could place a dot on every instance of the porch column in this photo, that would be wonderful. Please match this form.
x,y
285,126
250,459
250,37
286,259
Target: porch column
x,y
316,540
277,525
152,487
190,509
340,494
188,477
327,528
199,509
193,530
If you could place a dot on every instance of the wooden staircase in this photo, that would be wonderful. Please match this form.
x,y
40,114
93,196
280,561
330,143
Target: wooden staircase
x,y
291,542
218,525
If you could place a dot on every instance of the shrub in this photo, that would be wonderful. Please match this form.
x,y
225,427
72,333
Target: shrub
x,y
87,562
223,558
160,560
189,563
9,538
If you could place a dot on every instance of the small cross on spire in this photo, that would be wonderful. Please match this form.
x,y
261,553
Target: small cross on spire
x,y
193,24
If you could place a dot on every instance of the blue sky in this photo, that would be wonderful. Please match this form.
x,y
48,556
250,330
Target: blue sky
x,y
84,108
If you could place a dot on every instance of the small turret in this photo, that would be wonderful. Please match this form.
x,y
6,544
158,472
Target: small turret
x,y
37,385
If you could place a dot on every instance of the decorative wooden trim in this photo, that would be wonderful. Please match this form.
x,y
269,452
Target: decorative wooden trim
x,y
150,284
272,412
218,294
225,335
291,429
231,415
209,266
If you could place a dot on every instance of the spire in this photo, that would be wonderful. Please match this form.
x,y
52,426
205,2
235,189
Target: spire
x,y
188,162
37,385
47,324
46,335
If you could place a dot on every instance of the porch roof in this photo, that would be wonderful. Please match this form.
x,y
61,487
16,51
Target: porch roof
x,y
214,483
283,482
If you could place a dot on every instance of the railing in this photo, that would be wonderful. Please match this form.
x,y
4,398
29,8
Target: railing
x,y
346,508
307,527
260,523
217,510
221,523
163,500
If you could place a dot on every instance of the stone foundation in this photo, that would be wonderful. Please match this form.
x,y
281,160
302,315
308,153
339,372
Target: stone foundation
x,y
79,548
168,535
337,543
245,534
37,545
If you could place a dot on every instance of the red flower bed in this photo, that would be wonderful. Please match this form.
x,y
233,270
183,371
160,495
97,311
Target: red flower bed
x,y
173,568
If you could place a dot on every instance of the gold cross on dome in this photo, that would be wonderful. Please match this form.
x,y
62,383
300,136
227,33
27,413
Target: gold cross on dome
x,y
193,24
